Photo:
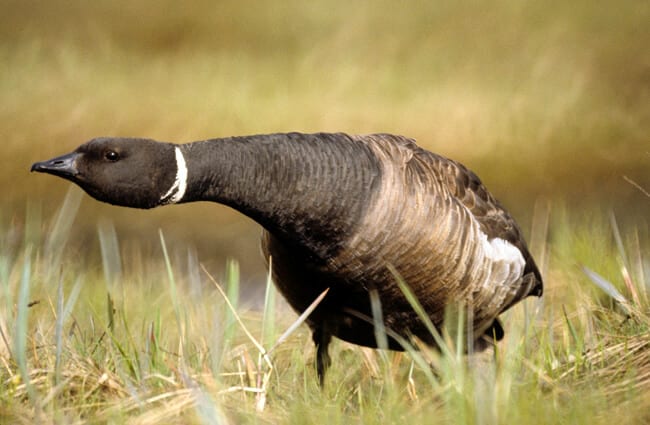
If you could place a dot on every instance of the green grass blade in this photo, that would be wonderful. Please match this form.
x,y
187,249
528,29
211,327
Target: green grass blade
x,y
21,325
378,320
62,313
405,344
574,333
460,333
419,310
232,293
33,225
172,285
58,334
111,258
268,316
60,230
110,311
609,289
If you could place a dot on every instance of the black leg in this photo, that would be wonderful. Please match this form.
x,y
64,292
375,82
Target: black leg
x,y
322,340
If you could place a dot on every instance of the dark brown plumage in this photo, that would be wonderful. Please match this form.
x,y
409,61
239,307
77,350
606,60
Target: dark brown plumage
x,y
337,210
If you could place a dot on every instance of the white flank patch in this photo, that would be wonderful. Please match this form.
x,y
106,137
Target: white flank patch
x,y
507,261
177,191
502,250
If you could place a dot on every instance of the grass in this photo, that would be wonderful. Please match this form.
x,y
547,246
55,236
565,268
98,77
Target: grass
x,y
150,340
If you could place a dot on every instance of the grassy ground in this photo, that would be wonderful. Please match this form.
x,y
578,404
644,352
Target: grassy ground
x,y
547,101
137,339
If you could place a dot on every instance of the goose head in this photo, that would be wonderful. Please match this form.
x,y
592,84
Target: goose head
x,y
136,173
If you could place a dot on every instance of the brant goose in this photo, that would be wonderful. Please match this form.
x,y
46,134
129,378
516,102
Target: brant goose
x,y
342,212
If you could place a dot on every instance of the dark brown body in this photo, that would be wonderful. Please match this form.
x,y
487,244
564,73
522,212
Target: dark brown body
x,y
420,220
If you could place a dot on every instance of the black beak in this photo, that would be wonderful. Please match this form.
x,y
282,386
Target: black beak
x,y
63,166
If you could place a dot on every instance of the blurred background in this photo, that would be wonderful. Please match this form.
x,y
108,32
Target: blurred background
x,y
547,101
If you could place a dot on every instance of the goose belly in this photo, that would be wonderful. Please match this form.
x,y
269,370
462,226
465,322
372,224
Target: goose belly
x,y
482,275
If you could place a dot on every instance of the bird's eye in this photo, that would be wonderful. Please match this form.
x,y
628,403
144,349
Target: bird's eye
x,y
111,156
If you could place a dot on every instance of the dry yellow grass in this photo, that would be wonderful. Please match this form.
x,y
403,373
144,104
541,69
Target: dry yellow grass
x,y
142,339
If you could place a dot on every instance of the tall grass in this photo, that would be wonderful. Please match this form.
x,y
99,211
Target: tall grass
x,y
152,350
